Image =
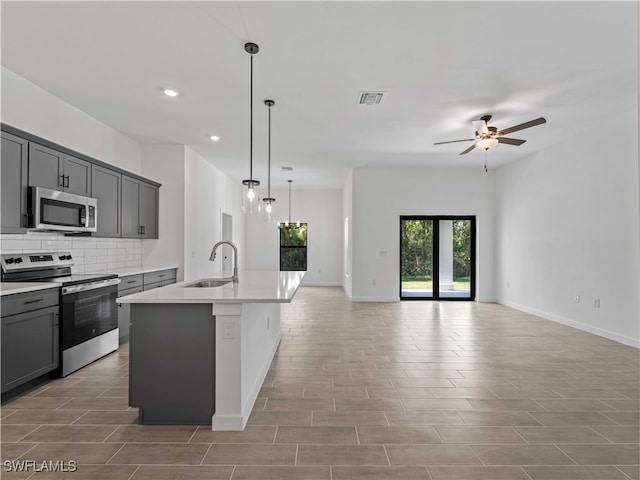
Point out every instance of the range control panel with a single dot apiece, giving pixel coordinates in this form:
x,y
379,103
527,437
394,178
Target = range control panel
x,y
15,262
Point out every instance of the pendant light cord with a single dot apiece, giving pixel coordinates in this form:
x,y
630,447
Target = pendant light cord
x,y
289,201
269,159
251,126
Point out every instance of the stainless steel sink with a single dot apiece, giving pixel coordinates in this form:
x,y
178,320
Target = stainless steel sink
x,y
209,283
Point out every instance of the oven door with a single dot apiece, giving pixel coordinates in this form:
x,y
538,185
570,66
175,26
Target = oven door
x,y
88,310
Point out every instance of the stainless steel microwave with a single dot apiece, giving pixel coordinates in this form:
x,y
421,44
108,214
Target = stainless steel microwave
x,y
56,210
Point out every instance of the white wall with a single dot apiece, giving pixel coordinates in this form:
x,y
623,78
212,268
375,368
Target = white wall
x,y
166,165
28,107
32,109
381,195
347,232
567,225
322,210
208,194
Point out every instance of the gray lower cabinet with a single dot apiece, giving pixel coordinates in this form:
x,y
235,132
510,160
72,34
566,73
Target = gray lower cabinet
x,y
124,313
14,167
139,209
106,187
59,171
135,284
29,336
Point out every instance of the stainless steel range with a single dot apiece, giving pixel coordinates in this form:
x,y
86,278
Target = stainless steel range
x,y
89,316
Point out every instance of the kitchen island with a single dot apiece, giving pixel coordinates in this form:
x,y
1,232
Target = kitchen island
x,y
200,354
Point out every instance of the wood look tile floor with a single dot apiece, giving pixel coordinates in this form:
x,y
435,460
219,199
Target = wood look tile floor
x,y
394,391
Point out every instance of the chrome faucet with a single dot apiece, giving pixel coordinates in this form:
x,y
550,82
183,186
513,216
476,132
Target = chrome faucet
x,y
235,257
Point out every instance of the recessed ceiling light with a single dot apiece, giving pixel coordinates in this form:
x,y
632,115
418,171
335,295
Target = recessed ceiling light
x,y
214,138
169,92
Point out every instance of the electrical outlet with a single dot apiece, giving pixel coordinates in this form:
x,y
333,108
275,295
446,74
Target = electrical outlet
x,y
228,331
578,298
596,303
373,282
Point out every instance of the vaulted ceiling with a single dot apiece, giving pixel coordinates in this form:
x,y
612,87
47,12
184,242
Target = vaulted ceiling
x,y
440,64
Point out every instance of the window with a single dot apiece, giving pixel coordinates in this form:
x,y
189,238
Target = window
x,y
293,247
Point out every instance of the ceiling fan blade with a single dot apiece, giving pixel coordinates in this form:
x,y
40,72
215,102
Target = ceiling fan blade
x,y
481,126
522,126
468,149
455,141
510,141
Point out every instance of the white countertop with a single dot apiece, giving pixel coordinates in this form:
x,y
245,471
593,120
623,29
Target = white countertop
x,y
10,288
124,272
253,287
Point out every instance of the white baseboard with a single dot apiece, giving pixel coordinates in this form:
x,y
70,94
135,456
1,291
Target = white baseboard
x,y
347,292
632,342
375,299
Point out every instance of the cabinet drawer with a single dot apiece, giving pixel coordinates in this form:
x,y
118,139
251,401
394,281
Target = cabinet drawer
x,y
130,291
151,286
129,282
26,302
160,276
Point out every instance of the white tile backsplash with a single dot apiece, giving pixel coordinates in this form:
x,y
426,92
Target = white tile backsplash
x,y
89,254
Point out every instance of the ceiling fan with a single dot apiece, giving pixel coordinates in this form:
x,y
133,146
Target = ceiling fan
x,y
488,137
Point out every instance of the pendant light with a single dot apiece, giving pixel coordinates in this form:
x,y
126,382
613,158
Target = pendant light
x,y
251,183
269,200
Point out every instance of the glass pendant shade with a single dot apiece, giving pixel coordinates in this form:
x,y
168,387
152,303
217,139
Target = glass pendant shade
x,y
248,200
269,200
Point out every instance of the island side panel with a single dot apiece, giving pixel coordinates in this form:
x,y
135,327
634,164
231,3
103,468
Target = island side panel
x,y
172,363
247,336
260,340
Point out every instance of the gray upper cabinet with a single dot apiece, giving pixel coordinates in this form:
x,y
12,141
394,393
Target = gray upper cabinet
x,y
149,210
58,171
46,167
13,174
106,187
77,176
131,226
139,209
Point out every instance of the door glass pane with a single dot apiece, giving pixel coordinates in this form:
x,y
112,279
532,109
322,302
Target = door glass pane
x,y
454,258
416,256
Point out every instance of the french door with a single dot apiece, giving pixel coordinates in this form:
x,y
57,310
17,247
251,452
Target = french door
x,y
437,257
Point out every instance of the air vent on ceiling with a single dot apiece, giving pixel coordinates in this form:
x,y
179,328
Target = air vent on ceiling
x,y
287,169
370,98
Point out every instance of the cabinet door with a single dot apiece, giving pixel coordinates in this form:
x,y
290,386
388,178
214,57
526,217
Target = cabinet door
x,y
45,167
106,186
131,226
29,346
149,210
124,314
13,163
77,175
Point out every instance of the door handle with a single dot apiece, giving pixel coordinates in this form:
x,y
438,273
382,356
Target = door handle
x,y
24,219
143,229
61,183
67,184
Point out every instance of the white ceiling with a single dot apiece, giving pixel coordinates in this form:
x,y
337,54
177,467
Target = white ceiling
x,y
442,64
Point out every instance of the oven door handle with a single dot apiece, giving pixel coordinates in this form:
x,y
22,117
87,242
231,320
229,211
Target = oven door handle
x,y
90,286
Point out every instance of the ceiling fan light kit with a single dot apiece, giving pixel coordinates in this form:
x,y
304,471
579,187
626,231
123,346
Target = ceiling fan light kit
x,y
489,137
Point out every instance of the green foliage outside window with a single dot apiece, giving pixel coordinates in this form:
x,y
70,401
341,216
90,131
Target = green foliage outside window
x,y
293,247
